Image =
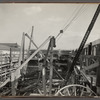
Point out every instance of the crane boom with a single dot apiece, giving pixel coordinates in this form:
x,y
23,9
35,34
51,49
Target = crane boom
x,y
71,68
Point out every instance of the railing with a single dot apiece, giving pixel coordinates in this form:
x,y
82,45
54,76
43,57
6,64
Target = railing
x,y
4,59
6,67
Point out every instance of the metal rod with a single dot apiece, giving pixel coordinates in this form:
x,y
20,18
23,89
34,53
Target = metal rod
x,y
13,90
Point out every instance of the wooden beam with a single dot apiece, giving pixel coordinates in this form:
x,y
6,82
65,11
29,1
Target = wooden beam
x,y
4,83
30,42
13,89
44,70
51,66
92,66
23,47
44,80
10,59
21,50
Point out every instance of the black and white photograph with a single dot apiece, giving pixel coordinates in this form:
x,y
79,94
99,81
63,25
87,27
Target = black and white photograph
x,y
49,50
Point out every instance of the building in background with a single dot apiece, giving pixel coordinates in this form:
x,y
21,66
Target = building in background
x,y
7,50
93,48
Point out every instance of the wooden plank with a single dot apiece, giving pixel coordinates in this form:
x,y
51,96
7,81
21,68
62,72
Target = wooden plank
x,y
13,89
4,83
1,66
23,47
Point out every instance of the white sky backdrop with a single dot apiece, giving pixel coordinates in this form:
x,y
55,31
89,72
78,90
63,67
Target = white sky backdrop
x,y
47,19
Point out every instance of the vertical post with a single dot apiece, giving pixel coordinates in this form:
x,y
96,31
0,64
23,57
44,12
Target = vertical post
x,y
81,61
28,52
10,59
13,89
98,78
30,42
43,79
23,47
90,48
87,64
51,65
20,54
91,82
44,71
94,50
21,58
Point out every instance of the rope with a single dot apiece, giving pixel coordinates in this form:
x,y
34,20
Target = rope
x,y
73,18
71,21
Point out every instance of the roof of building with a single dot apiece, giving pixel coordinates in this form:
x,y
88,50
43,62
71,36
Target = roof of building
x,y
93,43
7,46
4,47
96,42
10,44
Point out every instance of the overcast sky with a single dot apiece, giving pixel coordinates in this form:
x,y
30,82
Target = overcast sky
x,y
47,19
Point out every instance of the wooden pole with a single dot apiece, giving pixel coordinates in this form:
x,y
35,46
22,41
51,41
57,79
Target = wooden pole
x,y
30,42
13,79
21,56
10,59
44,80
13,89
23,47
51,66
44,70
13,82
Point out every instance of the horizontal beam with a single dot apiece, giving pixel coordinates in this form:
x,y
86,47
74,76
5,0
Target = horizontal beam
x,y
92,66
